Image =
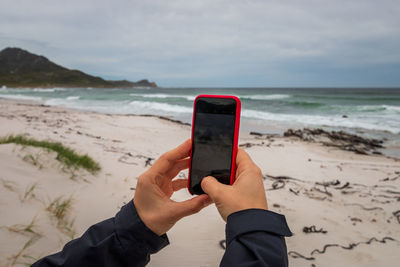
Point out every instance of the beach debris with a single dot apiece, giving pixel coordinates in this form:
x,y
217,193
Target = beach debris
x,y
248,145
86,134
267,135
323,191
346,185
361,206
148,162
296,255
279,182
353,245
355,220
397,215
165,118
314,197
350,246
256,133
392,192
313,229
279,177
278,185
125,158
397,176
294,192
339,139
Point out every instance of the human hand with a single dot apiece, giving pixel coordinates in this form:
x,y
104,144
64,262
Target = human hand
x,y
155,187
247,192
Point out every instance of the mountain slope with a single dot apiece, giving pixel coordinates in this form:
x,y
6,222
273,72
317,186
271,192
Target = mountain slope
x,y
19,68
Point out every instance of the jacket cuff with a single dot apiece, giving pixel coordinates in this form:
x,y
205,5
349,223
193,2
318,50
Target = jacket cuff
x,y
255,220
132,232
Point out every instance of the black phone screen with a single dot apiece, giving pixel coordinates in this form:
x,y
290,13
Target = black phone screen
x,y
212,144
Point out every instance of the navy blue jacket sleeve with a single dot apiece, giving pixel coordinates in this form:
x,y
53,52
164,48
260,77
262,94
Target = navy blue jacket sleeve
x,y
120,241
255,237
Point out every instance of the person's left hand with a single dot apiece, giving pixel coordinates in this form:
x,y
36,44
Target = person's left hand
x,y
155,187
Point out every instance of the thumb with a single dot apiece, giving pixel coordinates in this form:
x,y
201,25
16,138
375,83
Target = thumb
x,y
191,206
212,187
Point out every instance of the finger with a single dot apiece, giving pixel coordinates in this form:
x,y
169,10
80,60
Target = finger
x,y
212,187
180,152
179,165
179,184
191,206
243,160
166,161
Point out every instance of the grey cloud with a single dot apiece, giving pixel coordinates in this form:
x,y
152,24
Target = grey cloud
x,y
208,42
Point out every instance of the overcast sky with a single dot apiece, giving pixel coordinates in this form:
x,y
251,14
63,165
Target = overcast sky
x,y
229,43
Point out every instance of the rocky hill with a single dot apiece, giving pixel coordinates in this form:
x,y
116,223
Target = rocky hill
x,y
19,68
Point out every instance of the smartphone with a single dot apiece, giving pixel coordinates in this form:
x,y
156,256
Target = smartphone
x,y
215,134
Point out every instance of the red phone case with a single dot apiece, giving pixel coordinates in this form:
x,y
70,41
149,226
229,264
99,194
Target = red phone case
x,y
235,138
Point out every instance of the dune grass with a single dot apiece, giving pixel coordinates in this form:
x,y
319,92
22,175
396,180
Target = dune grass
x,y
10,185
29,192
27,230
65,155
14,258
59,209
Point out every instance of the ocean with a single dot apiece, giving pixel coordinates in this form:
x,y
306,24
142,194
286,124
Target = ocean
x,y
367,111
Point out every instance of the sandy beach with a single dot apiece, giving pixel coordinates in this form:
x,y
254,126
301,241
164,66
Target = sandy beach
x,y
342,207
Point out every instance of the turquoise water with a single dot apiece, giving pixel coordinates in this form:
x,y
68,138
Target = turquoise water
x,y
374,111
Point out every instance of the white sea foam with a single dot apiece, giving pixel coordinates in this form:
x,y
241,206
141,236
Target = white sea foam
x,y
92,105
44,90
377,123
392,108
187,97
156,106
381,108
265,97
22,97
74,97
120,107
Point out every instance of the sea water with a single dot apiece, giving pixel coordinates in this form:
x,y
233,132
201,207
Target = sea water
x,y
367,111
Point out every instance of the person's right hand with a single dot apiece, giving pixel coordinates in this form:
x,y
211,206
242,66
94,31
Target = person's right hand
x,y
247,192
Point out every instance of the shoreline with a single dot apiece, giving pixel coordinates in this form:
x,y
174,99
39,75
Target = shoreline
x,y
391,143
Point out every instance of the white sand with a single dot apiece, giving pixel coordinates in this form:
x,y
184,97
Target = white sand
x,y
122,144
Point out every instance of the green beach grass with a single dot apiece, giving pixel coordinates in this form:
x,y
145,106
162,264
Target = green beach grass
x,y
65,155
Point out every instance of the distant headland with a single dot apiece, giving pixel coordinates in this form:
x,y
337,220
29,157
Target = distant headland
x,y
20,68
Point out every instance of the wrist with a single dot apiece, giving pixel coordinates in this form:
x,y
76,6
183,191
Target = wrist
x,y
147,220
131,230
